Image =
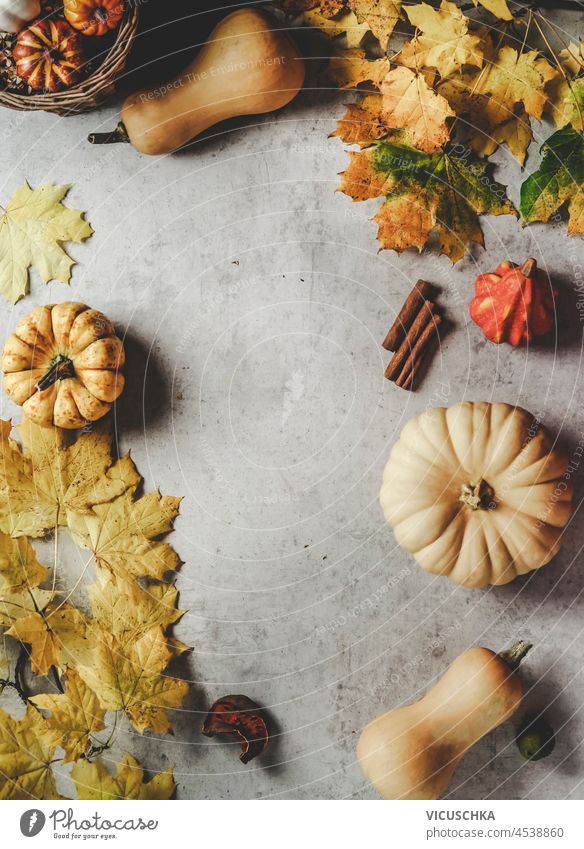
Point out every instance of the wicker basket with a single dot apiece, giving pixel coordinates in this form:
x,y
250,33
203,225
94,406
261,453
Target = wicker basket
x,y
93,90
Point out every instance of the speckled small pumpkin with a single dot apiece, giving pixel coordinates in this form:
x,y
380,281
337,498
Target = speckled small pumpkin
x,y
63,365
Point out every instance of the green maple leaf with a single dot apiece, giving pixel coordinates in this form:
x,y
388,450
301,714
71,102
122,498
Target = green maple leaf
x,y
442,192
559,180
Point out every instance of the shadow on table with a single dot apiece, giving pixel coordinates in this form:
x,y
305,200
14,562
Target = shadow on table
x,y
169,35
146,396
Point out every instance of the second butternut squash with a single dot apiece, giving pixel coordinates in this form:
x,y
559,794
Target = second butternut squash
x,y
413,751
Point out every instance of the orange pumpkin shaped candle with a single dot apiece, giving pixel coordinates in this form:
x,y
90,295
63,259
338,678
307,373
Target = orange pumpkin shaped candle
x,y
514,304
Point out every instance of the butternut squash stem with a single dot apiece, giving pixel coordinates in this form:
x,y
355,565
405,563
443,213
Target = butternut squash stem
x,y
118,135
61,369
515,653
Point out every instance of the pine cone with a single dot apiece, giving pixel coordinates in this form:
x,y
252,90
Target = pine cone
x,y
8,76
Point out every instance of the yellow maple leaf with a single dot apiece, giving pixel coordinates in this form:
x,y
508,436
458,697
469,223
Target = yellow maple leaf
x,y
48,479
19,567
381,16
350,68
572,58
516,133
566,93
19,605
125,609
408,103
475,126
514,78
56,636
93,781
347,25
33,227
27,748
499,8
74,715
404,222
361,180
445,42
130,675
566,102
444,192
123,534
362,123
4,657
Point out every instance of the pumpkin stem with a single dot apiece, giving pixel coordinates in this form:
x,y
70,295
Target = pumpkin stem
x,y
529,267
119,134
477,496
61,368
515,653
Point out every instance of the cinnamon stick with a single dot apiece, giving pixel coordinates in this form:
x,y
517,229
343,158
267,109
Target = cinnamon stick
x,y
412,305
414,361
421,321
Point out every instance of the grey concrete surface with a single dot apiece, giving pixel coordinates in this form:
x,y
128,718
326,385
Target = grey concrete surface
x,y
254,302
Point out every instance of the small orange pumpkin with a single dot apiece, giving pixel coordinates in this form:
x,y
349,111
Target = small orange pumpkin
x,y
94,17
62,365
49,55
514,304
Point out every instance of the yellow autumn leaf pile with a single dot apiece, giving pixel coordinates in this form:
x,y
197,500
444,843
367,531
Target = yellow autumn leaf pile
x,y
93,781
351,19
456,90
74,715
491,86
116,658
487,85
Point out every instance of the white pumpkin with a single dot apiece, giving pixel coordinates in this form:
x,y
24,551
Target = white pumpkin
x,y
477,492
14,14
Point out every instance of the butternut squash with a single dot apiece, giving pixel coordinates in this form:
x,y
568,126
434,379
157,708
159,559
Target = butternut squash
x,y
412,752
246,68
